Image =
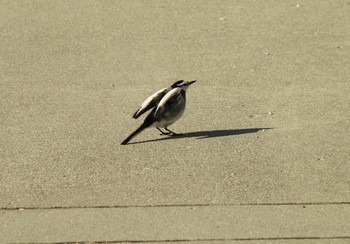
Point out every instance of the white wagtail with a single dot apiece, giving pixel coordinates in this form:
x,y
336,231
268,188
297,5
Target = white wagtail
x,y
168,106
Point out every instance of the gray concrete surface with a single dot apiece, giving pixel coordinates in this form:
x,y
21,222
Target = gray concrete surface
x,y
230,223
266,126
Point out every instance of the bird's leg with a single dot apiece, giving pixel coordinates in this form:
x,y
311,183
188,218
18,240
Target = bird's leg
x,y
172,132
163,133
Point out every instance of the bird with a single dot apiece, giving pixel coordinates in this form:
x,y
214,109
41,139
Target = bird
x,y
167,104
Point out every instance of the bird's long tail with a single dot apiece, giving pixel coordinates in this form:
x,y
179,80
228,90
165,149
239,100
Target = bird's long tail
x,y
135,133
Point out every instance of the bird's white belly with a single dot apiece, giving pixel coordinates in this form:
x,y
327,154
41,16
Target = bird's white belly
x,y
166,122
170,117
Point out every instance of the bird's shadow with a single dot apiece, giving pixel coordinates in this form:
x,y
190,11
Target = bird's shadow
x,y
206,134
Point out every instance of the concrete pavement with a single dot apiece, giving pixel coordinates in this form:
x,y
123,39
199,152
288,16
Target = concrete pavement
x,y
180,223
264,154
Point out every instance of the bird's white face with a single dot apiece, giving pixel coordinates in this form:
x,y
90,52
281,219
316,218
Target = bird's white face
x,y
185,84
184,87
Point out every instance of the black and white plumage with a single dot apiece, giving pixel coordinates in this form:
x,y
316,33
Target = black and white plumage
x,y
167,105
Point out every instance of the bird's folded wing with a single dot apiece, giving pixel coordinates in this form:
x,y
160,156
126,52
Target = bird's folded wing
x,y
166,98
150,102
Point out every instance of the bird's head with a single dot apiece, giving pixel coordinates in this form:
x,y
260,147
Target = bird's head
x,y
182,84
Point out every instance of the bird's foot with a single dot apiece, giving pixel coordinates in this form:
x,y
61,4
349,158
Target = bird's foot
x,y
163,133
172,133
175,134
169,133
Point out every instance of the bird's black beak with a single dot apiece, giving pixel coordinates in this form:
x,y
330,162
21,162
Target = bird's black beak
x,y
191,82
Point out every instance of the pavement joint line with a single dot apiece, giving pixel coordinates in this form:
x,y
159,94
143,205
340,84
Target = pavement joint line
x,y
205,240
174,205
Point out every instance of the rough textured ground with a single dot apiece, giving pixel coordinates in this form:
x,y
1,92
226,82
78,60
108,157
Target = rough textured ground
x,y
265,150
